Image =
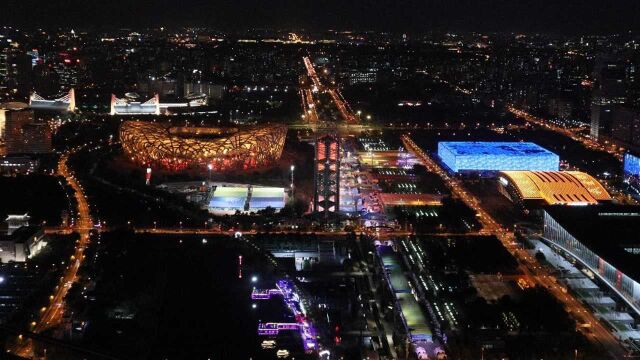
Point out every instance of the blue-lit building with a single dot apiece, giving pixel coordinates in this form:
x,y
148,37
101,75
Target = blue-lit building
x,y
632,174
463,156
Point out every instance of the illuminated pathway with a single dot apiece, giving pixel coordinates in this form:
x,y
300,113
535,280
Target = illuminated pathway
x,y
311,71
286,289
51,315
528,265
308,104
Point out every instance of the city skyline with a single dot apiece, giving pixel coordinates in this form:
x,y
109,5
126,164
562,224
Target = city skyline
x,y
319,180
547,16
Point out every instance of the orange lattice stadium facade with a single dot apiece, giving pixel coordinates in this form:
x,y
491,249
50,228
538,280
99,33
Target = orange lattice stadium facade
x,y
176,148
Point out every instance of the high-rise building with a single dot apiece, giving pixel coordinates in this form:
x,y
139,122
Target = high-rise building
x,y
560,108
625,125
22,134
326,198
15,70
601,118
368,76
609,92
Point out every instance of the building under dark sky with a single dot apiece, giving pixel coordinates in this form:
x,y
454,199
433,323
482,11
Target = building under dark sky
x,y
566,16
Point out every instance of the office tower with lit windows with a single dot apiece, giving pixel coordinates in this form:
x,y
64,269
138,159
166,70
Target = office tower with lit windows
x,y
609,92
22,134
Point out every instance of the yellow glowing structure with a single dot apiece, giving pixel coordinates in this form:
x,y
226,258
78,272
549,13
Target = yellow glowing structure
x,y
554,187
389,199
175,148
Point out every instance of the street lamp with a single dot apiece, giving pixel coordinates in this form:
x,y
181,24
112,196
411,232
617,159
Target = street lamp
x,y
293,167
210,167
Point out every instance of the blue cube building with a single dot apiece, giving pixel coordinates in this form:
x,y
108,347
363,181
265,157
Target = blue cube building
x,y
632,174
463,156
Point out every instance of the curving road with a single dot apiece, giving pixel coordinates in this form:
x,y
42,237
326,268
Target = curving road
x,y
51,315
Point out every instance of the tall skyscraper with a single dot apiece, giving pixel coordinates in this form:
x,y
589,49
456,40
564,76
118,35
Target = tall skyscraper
x,y
22,134
326,198
609,92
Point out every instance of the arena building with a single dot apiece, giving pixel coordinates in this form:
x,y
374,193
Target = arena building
x,y
465,156
131,105
66,103
604,239
176,148
539,188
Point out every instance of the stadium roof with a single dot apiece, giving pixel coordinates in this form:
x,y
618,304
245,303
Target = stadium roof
x,y
556,187
461,148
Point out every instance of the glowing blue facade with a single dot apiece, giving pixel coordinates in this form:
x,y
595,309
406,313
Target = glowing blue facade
x,y
632,174
496,156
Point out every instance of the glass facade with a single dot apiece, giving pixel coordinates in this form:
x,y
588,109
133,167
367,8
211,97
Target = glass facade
x,y
614,278
496,156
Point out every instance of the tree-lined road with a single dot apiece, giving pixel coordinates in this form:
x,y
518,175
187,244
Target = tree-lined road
x,y
51,315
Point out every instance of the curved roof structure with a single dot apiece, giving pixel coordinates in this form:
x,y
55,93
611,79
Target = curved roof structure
x,y
130,106
222,148
556,187
63,103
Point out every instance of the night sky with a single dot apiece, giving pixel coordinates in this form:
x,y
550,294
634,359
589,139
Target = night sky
x,y
554,16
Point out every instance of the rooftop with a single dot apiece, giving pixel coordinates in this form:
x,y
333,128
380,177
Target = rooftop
x,y
495,148
605,230
556,187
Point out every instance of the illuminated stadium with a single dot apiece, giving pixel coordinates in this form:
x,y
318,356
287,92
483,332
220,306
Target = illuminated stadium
x,y
496,156
551,188
131,105
175,148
